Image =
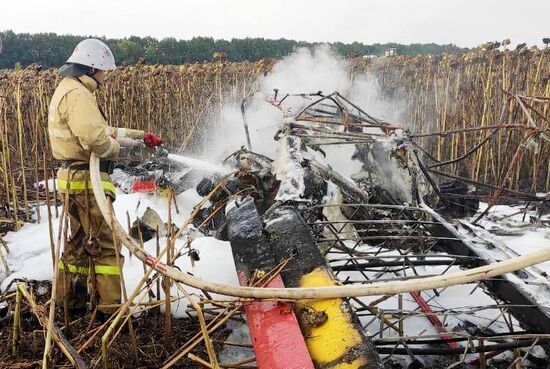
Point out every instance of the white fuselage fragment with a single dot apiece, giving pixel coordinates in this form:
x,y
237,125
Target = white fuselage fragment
x,y
289,170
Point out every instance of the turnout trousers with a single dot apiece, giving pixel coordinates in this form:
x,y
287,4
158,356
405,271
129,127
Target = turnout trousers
x,y
88,269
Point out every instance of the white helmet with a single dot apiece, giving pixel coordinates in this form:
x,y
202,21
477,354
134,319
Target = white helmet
x,y
93,53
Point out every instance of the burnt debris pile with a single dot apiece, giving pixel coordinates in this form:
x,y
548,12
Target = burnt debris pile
x,y
391,219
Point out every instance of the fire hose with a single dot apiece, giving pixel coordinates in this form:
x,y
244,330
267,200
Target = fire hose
x,y
376,288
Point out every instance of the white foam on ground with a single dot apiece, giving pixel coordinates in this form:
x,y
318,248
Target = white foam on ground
x,y
30,256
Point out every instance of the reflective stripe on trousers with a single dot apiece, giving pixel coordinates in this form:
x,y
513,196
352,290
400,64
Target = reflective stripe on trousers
x,y
99,269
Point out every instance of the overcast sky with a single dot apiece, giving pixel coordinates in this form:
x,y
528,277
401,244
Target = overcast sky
x,y
464,23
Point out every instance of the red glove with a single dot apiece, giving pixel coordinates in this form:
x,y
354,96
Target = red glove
x,y
152,140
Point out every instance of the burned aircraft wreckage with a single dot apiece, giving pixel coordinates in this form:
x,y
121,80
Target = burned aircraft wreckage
x,y
294,221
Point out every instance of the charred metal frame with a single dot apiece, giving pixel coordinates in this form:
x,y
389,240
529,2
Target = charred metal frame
x,y
420,235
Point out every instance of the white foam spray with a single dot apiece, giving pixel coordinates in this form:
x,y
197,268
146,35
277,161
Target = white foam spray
x,y
203,165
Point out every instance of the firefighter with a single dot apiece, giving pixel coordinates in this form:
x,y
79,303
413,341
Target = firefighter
x,y
77,127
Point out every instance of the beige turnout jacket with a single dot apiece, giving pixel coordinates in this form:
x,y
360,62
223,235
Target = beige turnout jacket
x,y
77,127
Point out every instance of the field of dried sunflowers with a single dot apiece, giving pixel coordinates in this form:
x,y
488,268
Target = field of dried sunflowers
x,y
488,104
465,95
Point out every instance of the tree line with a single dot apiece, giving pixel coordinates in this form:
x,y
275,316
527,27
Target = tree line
x,y
51,50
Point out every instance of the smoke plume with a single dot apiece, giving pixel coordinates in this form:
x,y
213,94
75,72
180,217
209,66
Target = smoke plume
x,y
304,71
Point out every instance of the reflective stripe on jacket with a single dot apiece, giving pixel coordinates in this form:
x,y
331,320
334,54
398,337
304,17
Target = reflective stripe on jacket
x,y
81,182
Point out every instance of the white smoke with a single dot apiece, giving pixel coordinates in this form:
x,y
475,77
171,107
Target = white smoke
x,y
309,70
304,71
